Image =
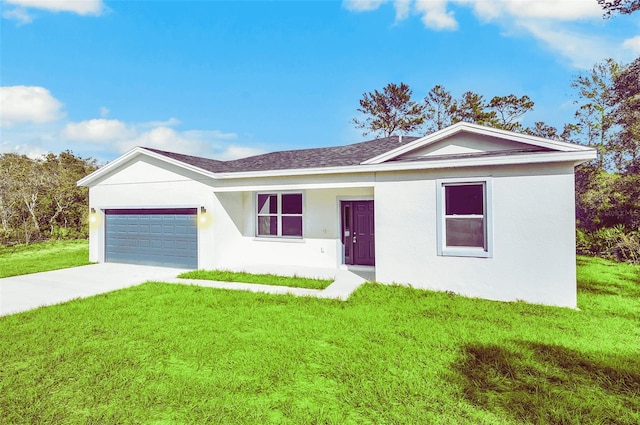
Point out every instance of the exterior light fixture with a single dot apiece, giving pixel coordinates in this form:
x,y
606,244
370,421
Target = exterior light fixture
x,y
93,210
202,210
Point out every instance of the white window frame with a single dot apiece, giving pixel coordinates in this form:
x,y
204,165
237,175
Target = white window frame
x,y
462,251
278,214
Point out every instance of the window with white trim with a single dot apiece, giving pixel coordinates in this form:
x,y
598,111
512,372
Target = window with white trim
x,y
464,218
279,215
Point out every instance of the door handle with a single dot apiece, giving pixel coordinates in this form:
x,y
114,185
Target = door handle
x,y
355,239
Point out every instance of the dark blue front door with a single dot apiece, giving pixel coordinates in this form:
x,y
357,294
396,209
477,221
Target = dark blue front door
x,y
358,232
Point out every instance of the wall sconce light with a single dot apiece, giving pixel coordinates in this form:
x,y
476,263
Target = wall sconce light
x,y
93,210
202,210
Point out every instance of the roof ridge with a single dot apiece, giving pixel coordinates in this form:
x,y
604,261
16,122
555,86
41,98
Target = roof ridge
x,y
328,156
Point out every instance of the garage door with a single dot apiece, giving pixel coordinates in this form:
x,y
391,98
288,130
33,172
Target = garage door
x,y
157,237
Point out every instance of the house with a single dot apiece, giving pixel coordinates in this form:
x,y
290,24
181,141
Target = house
x,y
469,209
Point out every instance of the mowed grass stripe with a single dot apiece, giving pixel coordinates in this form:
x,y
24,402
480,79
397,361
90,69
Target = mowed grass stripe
x,y
264,279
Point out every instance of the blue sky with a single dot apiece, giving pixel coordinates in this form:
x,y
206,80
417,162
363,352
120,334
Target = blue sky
x,y
231,79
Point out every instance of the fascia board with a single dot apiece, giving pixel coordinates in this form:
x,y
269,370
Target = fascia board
x,y
480,130
123,159
576,157
132,154
253,187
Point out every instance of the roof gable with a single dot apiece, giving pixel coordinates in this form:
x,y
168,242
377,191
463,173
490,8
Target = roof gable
x,y
467,144
465,139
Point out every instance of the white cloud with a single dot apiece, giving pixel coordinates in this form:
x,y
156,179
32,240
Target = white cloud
x,y
32,150
21,104
21,9
362,5
235,152
114,135
435,14
580,48
209,135
81,7
558,10
553,22
193,142
19,14
633,45
171,122
97,130
403,8
207,143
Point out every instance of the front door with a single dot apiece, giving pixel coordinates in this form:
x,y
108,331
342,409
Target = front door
x,y
358,232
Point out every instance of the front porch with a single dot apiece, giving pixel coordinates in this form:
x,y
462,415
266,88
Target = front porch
x,y
318,230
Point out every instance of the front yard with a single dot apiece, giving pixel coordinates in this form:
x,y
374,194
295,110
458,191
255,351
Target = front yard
x,y
41,257
166,353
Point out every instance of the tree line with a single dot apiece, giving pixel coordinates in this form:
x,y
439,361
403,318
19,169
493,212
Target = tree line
x,y
607,118
39,198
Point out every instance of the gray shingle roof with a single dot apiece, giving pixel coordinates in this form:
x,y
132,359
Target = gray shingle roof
x,y
296,159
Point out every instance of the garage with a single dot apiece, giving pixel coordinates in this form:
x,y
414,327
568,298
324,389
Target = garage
x,y
158,237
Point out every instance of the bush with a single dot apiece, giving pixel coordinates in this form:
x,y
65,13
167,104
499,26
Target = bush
x,y
615,243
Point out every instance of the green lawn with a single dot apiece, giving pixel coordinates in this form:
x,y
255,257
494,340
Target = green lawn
x,y
265,279
171,354
41,257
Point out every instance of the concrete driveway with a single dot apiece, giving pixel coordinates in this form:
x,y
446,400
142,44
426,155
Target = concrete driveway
x,y
22,293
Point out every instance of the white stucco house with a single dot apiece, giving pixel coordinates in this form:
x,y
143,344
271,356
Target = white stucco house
x,y
470,209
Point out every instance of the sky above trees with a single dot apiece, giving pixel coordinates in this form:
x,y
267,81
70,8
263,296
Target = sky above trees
x,y
230,79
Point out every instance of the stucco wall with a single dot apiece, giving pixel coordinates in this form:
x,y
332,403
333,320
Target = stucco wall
x,y
147,183
234,220
533,236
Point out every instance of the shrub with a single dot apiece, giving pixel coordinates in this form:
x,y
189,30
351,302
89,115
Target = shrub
x,y
616,243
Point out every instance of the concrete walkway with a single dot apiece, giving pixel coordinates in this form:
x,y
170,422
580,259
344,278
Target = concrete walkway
x,y
26,292
345,283
22,293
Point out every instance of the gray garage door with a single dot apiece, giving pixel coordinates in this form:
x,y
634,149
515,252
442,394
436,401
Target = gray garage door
x,y
157,237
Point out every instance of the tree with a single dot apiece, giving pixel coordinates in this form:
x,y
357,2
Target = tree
x,y
619,6
595,111
10,203
541,129
439,106
65,197
39,197
504,112
509,109
389,111
472,108
625,98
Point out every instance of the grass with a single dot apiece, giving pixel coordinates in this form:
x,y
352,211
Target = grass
x,y
44,256
265,279
165,353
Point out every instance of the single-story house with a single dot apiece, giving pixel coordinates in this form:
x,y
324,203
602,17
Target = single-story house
x,y
469,209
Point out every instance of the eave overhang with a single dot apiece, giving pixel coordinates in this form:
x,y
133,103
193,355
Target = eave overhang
x,y
464,127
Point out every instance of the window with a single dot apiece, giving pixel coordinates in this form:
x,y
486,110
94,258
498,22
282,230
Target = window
x,y
464,218
280,215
